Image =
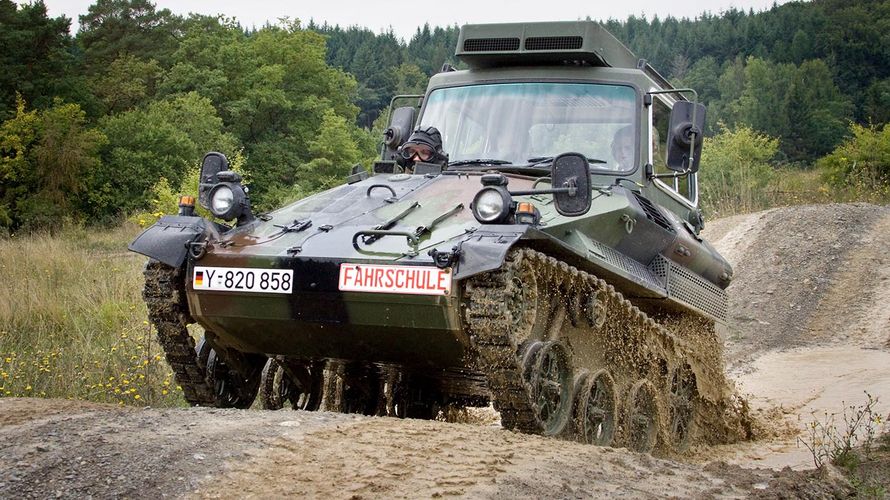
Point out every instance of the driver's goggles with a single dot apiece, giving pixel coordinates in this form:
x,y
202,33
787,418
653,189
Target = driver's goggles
x,y
423,153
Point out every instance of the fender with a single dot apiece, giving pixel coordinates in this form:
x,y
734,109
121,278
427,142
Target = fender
x,y
486,248
167,240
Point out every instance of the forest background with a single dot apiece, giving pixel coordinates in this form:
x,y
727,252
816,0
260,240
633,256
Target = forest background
x,y
110,122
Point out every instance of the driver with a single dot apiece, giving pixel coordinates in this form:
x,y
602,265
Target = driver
x,y
424,145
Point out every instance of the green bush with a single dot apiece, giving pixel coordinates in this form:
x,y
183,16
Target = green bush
x,y
736,173
862,163
145,144
46,157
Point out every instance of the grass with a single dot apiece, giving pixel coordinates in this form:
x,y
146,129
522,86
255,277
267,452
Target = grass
x,y
788,186
72,320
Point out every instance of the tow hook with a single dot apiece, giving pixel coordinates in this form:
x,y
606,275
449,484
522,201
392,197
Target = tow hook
x,y
197,249
444,259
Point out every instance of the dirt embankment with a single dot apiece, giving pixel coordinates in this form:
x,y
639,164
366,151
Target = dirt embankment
x,y
809,330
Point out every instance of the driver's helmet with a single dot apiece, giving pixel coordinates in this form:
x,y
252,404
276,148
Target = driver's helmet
x,y
424,145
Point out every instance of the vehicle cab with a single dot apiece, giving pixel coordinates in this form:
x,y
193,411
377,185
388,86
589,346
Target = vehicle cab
x,y
534,91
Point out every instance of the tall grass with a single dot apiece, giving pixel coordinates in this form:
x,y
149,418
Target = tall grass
x,y
72,320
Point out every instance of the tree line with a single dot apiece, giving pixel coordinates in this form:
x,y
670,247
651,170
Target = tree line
x,y
90,123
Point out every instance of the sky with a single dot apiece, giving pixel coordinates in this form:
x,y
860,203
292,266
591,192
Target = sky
x,y
406,16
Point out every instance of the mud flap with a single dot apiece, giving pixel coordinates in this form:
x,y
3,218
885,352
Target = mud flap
x,y
486,249
168,239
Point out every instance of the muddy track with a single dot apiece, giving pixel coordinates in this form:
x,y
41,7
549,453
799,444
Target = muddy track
x,y
164,295
535,299
52,448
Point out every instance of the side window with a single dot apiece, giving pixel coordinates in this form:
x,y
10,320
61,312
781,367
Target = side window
x,y
661,117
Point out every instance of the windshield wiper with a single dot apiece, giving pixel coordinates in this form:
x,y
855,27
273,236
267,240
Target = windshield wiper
x,y
478,161
540,160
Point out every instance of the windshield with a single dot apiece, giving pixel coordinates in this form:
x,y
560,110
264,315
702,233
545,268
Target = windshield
x,y
529,123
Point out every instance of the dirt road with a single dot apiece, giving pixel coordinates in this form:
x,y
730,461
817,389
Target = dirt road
x,y
809,332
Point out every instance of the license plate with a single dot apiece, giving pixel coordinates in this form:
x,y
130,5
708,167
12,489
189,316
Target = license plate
x,y
414,280
240,279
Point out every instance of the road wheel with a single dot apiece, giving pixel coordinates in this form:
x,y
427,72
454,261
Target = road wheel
x,y
683,397
641,422
548,374
595,408
229,388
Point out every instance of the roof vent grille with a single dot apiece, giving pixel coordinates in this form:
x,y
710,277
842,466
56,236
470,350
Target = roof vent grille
x,y
553,43
490,44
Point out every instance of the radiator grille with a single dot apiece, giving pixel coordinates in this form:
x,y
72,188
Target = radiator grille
x,y
653,212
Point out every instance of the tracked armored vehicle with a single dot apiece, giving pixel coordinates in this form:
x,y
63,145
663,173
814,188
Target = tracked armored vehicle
x,y
551,266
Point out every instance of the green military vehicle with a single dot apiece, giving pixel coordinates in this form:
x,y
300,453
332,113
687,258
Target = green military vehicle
x,y
551,265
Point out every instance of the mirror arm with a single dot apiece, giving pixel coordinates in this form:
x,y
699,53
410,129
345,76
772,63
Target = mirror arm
x,y
677,91
392,101
650,171
571,190
570,187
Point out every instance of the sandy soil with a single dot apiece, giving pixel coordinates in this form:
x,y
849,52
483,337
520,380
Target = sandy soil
x,y
809,332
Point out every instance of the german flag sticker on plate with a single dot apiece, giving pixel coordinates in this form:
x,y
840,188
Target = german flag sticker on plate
x,y
414,280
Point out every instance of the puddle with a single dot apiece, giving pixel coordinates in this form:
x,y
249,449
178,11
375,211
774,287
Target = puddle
x,y
806,383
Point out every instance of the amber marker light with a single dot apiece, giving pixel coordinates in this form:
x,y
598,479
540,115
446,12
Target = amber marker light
x,y
526,213
525,207
187,205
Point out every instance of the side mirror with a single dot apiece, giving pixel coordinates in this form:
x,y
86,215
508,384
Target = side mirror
x,y
571,171
212,164
400,126
687,125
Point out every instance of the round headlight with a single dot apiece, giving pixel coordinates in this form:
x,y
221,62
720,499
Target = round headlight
x,y
221,200
491,204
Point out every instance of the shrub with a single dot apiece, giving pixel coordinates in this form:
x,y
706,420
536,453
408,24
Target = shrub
x,y
862,163
736,174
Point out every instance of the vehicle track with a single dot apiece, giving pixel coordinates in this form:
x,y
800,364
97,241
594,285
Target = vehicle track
x,y
164,295
528,301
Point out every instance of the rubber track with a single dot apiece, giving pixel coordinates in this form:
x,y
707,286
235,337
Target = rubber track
x,y
491,325
164,294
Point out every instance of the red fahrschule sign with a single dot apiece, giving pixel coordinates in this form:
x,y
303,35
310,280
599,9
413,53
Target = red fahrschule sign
x,y
415,280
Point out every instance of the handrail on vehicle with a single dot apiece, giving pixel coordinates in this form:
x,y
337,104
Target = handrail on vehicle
x,y
412,238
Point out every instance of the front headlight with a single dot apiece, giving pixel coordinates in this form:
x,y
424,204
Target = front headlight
x,y
221,200
492,204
